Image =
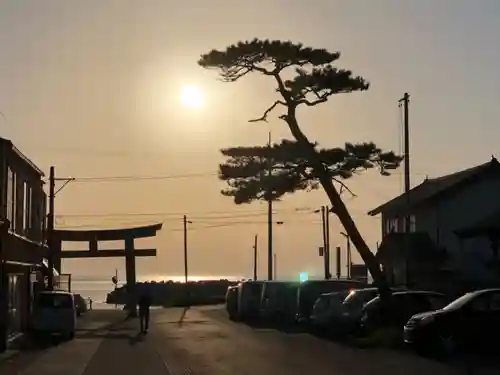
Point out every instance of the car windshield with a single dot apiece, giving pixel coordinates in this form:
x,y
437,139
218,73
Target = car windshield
x,y
322,301
360,297
55,301
253,290
460,302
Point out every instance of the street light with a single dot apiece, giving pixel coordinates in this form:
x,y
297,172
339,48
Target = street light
x,y
348,247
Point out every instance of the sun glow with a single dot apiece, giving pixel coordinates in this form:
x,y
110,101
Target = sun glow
x,y
192,97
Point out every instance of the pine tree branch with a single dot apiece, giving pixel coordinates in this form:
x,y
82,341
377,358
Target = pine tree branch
x,y
344,186
269,110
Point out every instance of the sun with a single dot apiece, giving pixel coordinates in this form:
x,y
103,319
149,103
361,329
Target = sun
x,y
192,97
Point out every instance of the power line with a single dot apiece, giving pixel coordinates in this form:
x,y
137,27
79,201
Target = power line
x,y
90,179
227,214
196,225
140,178
163,218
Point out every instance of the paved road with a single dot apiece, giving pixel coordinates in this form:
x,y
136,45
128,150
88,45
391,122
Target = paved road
x,y
202,341
207,343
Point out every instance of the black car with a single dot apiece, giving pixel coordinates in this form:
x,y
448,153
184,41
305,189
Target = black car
x,y
401,307
471,322
309,291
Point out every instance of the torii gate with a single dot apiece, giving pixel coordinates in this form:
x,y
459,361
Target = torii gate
x,y
92,237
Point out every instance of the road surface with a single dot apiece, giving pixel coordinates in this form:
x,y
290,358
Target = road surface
x,y
206,342
203,341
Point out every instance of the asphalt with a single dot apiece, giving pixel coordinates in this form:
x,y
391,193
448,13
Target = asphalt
x,y
203,341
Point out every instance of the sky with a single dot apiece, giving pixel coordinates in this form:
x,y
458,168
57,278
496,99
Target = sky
x,y
92,88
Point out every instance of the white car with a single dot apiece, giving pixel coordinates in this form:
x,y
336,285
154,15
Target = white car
x,y
54,313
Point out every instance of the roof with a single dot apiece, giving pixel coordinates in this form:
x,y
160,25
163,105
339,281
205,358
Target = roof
x,y
22,156
432,187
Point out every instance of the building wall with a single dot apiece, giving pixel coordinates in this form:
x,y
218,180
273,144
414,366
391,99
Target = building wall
x,y
23,198
22,202
462,208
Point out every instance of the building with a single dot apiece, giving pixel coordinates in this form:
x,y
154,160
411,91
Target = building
x,y
23,205
458,215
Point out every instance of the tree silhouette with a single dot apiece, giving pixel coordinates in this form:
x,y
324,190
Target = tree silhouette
x,y
314,82
270,172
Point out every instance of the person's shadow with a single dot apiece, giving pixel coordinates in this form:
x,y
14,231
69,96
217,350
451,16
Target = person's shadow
x,y
134,340
183,315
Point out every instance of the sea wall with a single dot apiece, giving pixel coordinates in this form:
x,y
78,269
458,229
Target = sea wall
x,y
171,293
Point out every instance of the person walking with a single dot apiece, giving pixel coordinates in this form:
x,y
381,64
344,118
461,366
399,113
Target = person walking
x,y
144,307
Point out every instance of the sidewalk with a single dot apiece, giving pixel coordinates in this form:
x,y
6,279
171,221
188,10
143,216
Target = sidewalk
x,y
90,331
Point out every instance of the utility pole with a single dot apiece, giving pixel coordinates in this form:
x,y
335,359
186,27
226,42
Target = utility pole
x,y
405,101
50,226
50,221
255,258
275,267
269,217
185,223
338,261
348,248
327,247
325,256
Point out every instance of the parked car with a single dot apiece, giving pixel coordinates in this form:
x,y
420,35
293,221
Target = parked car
x,y
249,299
232,302
325,308
344,318
471,322
80,304
54,313
309,291
401,307
277,299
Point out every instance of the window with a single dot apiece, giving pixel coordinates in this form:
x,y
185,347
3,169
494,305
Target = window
x,y
54,301
495,302
479,304
437,302
413,224
10,195
13,225
25,207
27,212
392,225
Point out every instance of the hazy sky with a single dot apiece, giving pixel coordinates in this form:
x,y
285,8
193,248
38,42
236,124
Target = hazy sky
x,y
92,86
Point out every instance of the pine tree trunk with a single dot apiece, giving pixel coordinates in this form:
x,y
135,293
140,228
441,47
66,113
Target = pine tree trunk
x,y
339,207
